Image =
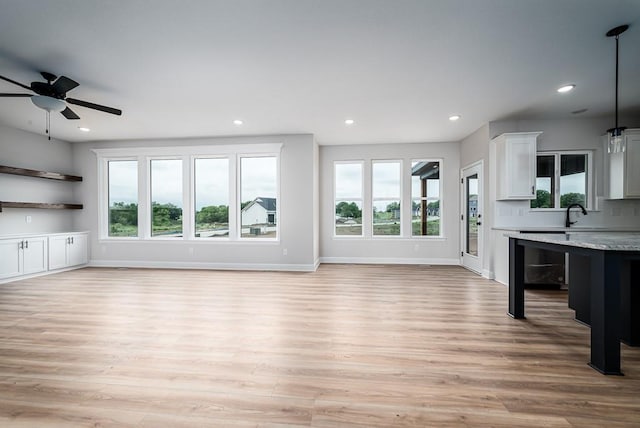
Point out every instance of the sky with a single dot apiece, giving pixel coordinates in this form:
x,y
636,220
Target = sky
x,y
258,178
386,183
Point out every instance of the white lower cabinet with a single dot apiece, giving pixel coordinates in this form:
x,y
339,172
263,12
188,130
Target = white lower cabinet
x,y
67,250
20,256
23,256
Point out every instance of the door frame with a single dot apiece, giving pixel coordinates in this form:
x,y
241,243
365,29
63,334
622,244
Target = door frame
x,y
468,261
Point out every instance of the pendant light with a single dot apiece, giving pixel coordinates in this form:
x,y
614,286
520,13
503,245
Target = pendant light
x,y
615,136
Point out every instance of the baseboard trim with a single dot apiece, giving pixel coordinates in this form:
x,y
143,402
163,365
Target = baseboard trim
x,y
390,261
201,265
36,275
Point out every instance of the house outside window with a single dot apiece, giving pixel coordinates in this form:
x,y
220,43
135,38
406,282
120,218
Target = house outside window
x,y
258,196
189,192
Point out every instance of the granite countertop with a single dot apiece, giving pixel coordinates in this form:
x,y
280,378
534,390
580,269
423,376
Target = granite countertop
x,y
616,241
574,229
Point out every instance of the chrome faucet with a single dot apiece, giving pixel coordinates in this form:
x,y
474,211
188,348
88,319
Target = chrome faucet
x,y
567,222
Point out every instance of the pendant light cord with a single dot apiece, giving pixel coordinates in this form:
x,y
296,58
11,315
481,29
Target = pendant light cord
x,y
617,37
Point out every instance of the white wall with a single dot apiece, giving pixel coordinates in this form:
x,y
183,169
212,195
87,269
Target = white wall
x,y
392,250
296,215
32,151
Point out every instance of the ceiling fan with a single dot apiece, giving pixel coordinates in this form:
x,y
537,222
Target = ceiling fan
x,y
52,96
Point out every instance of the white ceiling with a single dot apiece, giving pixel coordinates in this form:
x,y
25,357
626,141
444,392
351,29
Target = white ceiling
x,y
399,68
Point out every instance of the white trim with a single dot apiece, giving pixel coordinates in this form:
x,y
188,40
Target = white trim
x,y
391,261
187,154
203,265
43,273
440,198
211,149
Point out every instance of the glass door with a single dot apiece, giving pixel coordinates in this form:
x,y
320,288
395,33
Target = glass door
x,y
471,217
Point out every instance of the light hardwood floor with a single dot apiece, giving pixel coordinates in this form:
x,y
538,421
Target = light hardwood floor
x,y
363,346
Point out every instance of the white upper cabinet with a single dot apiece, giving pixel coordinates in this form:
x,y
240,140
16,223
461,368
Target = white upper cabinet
x,y
516,165
624,168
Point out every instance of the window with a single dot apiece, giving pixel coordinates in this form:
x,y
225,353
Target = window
x,y
166,197
211,197
123,198
425,198
385,189
258,197
348,198
562,178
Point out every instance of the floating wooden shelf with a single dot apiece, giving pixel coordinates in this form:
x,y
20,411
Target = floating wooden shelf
x,y
39,205
38,174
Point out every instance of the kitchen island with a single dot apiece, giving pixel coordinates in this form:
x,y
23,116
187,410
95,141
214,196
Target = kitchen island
x,y
612,288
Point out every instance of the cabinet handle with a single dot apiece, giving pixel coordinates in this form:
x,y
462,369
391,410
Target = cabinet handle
x,y
533,190
21,245
26,244
72,239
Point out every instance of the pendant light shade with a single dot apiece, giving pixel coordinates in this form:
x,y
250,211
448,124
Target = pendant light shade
x,y
615,136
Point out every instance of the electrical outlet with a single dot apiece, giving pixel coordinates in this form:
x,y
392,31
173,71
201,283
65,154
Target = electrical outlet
x,y
27,219
284,251
416,247
191,251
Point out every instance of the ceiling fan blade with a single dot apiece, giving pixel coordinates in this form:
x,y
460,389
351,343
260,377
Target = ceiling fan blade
x,y
94,106
64,84
69,114
15,95
15,83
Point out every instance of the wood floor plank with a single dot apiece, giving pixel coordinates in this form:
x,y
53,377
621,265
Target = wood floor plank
x,y
362,346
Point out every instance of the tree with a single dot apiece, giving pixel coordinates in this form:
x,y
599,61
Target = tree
x,y
348,210
213,214
572,198
393,206
542,200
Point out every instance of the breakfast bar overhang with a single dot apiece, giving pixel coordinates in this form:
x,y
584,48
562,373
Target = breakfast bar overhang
x,y
612,287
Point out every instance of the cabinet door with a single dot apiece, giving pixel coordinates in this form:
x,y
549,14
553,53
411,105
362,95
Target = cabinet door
x,y
10,258
521,156
34,257
632,171
57,252
77,250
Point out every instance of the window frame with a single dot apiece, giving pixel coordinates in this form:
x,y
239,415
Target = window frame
x,y
590,201
103,214
361,199
231,193
440,234
149,196
144,155
238,197
373,198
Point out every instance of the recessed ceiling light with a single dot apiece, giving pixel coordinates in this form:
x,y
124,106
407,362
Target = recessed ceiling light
x,y
349,122
454,117
238,122
566,88
83,129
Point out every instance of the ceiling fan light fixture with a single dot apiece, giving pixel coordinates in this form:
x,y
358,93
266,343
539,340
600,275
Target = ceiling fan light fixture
x,y
615,136
454,117
49,103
